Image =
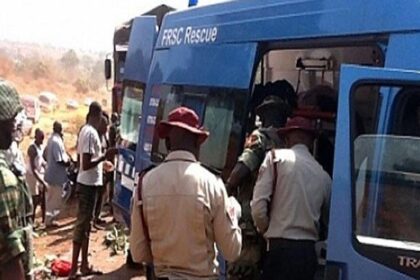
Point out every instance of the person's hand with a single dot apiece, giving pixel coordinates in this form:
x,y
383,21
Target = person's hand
x,y
108,166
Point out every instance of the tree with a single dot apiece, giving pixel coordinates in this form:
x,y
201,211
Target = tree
x,y
70,59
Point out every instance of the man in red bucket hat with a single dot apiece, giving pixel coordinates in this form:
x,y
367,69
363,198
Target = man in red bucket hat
x,y
290,204
181,210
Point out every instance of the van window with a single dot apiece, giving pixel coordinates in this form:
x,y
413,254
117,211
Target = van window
x,y
387,175
131,113
222,112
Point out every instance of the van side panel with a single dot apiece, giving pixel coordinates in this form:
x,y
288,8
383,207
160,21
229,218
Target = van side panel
x,y
229,65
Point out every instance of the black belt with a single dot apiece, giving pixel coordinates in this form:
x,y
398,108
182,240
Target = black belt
x,y
289,243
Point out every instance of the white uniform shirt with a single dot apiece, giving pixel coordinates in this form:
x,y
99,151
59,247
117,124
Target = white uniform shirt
x,y
302,194
89,142
186,210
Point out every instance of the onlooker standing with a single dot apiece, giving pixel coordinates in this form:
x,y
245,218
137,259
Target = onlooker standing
x,y
35,172
14,155
114,130
55,174
90,177
290,204
113,138
15,200
181,210
103,129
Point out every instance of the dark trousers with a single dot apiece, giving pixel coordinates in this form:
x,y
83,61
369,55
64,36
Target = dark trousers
x,y
87,199
290,260
99,198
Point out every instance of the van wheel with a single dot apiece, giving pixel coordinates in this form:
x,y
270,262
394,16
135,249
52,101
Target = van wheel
x,y
129,261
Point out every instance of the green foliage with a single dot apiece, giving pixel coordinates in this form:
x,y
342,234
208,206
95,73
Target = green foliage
x,y
41,268
116,240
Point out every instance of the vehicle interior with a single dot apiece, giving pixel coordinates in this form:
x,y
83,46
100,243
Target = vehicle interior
x,y
228,113
315,73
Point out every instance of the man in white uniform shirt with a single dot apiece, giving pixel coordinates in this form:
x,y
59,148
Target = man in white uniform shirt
x,y
92,162
290,204
186,210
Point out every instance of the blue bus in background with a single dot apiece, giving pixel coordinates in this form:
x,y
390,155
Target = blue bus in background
x,y
212,58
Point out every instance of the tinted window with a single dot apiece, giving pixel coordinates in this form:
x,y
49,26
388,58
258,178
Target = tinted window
x,y
222,112
131,113
387,176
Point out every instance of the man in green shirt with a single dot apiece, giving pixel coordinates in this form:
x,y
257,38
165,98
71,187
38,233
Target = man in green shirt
x,y
15,201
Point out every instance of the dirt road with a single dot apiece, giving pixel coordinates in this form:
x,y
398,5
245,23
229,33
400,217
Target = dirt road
x,y
57,243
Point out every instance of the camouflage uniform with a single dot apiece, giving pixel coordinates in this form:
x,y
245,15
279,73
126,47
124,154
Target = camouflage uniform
x,y
253,245
15,200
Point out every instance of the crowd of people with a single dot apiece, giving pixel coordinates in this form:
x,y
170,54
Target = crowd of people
x,y
264,221
44,183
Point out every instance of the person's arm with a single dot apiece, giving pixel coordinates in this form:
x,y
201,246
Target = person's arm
x,y
11,264
88,162
225,226
32,155
59,154
89,146
249,161
139,245
262,195
239,173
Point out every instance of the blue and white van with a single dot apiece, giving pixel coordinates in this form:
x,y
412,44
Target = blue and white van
x,y
211,59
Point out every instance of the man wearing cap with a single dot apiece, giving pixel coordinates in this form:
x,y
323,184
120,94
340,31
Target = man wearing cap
x,y
181,210
290,204
15,200
273,112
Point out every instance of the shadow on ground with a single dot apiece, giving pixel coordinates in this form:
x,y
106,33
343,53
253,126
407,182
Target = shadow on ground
x,y
121,273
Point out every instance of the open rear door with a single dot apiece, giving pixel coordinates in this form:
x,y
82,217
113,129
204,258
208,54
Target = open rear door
x,y
140,48
374,216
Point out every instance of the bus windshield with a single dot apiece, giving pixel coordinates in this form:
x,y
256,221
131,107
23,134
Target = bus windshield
x,y
131,113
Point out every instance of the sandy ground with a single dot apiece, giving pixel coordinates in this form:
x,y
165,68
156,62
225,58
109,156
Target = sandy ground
x,y
58,242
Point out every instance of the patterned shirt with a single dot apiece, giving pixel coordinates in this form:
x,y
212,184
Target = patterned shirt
x,y
14,204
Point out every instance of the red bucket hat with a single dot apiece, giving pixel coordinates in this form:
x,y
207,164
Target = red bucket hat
x,y
185,118
298,123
